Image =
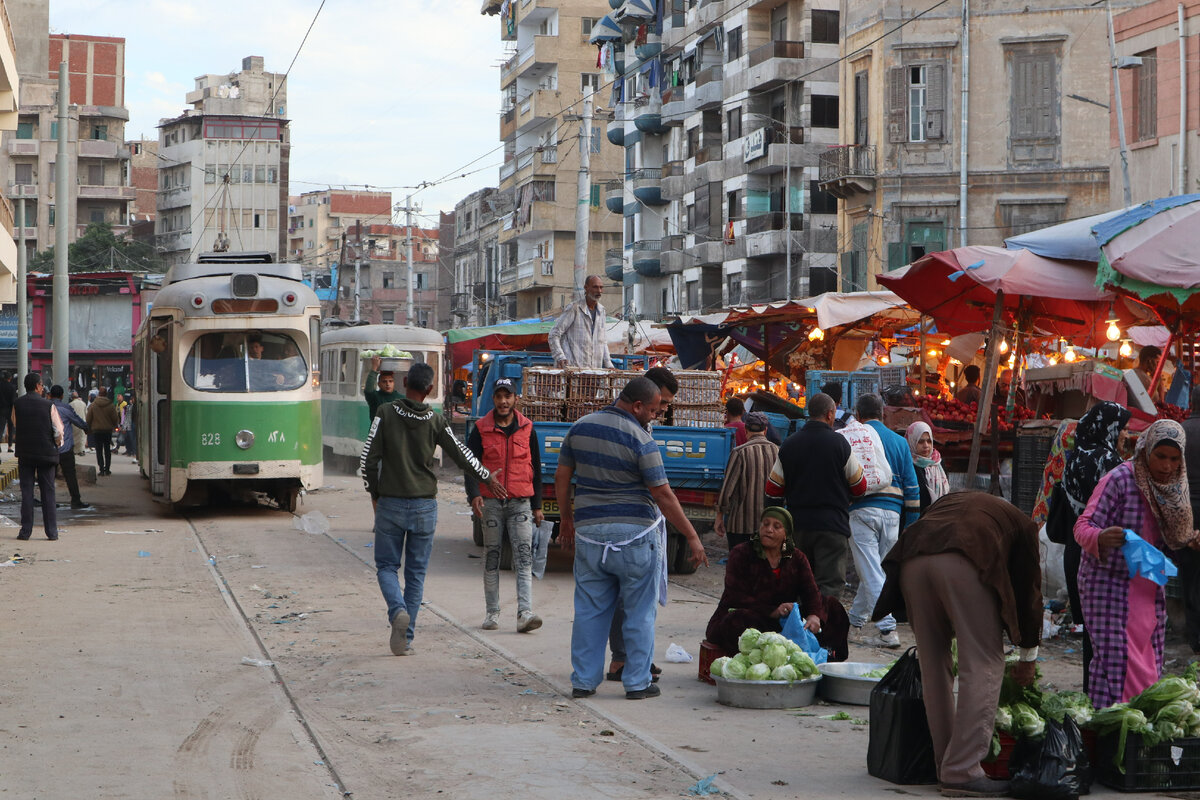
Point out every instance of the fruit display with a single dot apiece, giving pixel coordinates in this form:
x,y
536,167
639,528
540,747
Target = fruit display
x,y
955,414
1168,411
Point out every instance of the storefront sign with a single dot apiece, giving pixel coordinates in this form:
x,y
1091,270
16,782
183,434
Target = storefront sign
x,y
755,145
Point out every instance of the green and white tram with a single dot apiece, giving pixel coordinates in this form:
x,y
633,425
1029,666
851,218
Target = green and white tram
x,y
344,419
227,382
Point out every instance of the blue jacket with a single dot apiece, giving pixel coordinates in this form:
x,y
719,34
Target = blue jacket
x,y
69,420
904,495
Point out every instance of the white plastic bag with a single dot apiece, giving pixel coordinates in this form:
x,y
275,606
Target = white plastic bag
x,y
677,655
541,544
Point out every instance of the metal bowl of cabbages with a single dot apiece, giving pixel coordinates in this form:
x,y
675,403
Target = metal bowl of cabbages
x,y
766,694
850,682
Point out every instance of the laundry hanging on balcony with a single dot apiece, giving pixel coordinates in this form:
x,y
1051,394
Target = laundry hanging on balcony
x,y
652,69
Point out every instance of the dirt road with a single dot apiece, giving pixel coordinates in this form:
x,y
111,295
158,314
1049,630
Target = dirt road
x,y
226,654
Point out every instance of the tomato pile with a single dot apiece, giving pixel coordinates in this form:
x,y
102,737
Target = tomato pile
x,y
1168,411
957,412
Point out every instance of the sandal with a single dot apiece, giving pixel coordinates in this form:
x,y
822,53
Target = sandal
x,y
615,675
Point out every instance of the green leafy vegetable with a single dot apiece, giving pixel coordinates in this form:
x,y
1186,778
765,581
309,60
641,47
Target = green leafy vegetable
x,y
758,672
785,672
735,668
775,655
1026,723
748,640
717,667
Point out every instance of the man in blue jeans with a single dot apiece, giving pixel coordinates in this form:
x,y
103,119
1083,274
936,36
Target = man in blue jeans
x,y
613,522
397,465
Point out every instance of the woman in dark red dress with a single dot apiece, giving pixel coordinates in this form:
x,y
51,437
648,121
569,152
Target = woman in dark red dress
x,y
763,579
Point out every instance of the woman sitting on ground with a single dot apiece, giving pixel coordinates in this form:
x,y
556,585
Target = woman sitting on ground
x,y
764,578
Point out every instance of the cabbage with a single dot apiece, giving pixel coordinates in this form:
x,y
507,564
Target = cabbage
x,y
1004,719
1076,705
748,640
775,655
770,637
1026,723
804,664
754,656
1163,692
717,667
758,672
735,669
785,673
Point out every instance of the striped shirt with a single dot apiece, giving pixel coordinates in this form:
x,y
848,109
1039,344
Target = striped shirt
x,y
741,498
616,463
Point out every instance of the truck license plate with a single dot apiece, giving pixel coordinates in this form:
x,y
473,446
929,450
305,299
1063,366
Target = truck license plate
x,y
549,506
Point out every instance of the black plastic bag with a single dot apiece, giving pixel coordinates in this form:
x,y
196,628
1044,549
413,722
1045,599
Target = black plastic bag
x,y
1056,767
900,749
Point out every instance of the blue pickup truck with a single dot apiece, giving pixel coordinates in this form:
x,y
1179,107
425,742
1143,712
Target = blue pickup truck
x,y
694,458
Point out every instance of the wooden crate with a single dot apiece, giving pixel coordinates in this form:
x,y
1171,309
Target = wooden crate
x,y
542,410
544,383
590,385
698,387
706,415
575,409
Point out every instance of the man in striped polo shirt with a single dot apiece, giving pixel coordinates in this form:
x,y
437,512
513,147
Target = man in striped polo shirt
x,y
613,522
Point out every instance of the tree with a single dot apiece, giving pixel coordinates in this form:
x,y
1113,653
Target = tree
x,y
100,249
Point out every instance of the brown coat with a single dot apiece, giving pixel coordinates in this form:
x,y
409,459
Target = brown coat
x,y
102,415
997,538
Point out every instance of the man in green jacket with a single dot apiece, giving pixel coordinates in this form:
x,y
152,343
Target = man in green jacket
x,y
397,465
380,388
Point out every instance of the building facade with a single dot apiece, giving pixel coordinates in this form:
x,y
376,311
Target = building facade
x,y
318,223
478,219
1019,145
723,108
1157,99
10,94
98,187
372,276
223,167
549,68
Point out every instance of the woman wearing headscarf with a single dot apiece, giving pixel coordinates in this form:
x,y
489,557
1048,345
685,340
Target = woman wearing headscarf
x,y
928,463
764,578
1126,617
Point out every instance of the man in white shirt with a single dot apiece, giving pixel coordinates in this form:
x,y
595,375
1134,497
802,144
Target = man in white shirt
x,y
578,338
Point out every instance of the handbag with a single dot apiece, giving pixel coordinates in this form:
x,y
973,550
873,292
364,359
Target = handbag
x,y
900,748
1060,517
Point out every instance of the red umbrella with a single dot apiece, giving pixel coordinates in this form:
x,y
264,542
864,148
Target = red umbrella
x,y
958,288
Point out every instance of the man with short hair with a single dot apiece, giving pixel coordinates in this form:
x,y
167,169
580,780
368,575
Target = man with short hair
x,y
614,522
875,522
66,450
506,443
841,418
579,338
971,392
39,434
816,473
102,420
397,467
735,409
740,503
380,387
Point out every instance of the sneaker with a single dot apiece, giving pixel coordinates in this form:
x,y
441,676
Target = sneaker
x,y
578,693
80,505
887,639
528,622
399,638
980,787
492,621
641,694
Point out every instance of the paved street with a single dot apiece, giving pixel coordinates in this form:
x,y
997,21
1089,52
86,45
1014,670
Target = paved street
x,y
124,652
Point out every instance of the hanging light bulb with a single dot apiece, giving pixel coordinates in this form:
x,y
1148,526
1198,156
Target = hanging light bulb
x,y
816,335
933,352
1053,359
945,342
1126,350
1069,356
883,359
1012,360
1113,333
1003,346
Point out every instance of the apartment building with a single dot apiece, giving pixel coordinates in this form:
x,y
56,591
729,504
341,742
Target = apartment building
x,y
549,67
372,278
10,92
918,170
723,108
320,222
223,167
98,187
1157,88
478,219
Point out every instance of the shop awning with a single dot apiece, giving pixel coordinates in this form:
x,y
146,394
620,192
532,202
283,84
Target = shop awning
x,y
636,9
606,30
1072,240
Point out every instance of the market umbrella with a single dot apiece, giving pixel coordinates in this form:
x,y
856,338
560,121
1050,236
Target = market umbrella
x,y
959,288
1071,240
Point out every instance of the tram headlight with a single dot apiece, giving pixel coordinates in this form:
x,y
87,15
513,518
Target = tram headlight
x,y
244,439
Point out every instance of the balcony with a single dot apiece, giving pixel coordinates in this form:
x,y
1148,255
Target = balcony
x,y
774,153
535,162
19,190
508,123
707,14
672,258
647,186
648,46
704,253
616,131
31,234
646,261
537,107
777,63
100,148
675,105
708,87
615,4
123,193
648,115
614,196
614,263
776,50
24,147
118,230
544,217
766,234
673,183
848,169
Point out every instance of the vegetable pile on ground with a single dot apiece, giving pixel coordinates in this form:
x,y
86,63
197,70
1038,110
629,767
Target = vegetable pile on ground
x,y
765,657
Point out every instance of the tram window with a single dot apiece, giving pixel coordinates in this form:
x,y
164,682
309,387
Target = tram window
x,y
241,362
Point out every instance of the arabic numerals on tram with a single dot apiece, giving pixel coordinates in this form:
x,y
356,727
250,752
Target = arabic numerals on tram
x,y
210,439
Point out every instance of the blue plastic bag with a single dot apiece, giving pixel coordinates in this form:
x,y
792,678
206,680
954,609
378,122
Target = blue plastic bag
x,y
1146,560
793,628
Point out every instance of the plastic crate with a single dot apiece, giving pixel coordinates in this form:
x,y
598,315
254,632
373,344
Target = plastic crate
x,y
814,379
892,376
1030,453
1171,766
865,382
709,653
997,768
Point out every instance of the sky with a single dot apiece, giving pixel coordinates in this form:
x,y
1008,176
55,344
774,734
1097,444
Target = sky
x,y
386,93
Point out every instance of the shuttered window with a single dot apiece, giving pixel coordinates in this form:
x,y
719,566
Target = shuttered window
x,y
1145,96
1034,101
917,102
862,105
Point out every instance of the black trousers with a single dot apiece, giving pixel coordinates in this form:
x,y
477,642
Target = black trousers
x,y
66,465
103,449
1188,561
43,474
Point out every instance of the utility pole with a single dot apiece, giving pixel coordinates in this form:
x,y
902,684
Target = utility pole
x,y
964,125
1116,78
583,197
408,209
787,210
357,268
62,226
22,302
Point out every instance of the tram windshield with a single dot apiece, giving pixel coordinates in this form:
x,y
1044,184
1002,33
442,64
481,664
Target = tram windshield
x,y
245,361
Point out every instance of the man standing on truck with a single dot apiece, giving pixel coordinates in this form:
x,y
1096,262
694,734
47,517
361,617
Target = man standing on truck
x,y
505,441
621,485
397,467
578,338
386,391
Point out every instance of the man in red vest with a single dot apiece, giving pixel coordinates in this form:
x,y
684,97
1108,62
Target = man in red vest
x,y
504,440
